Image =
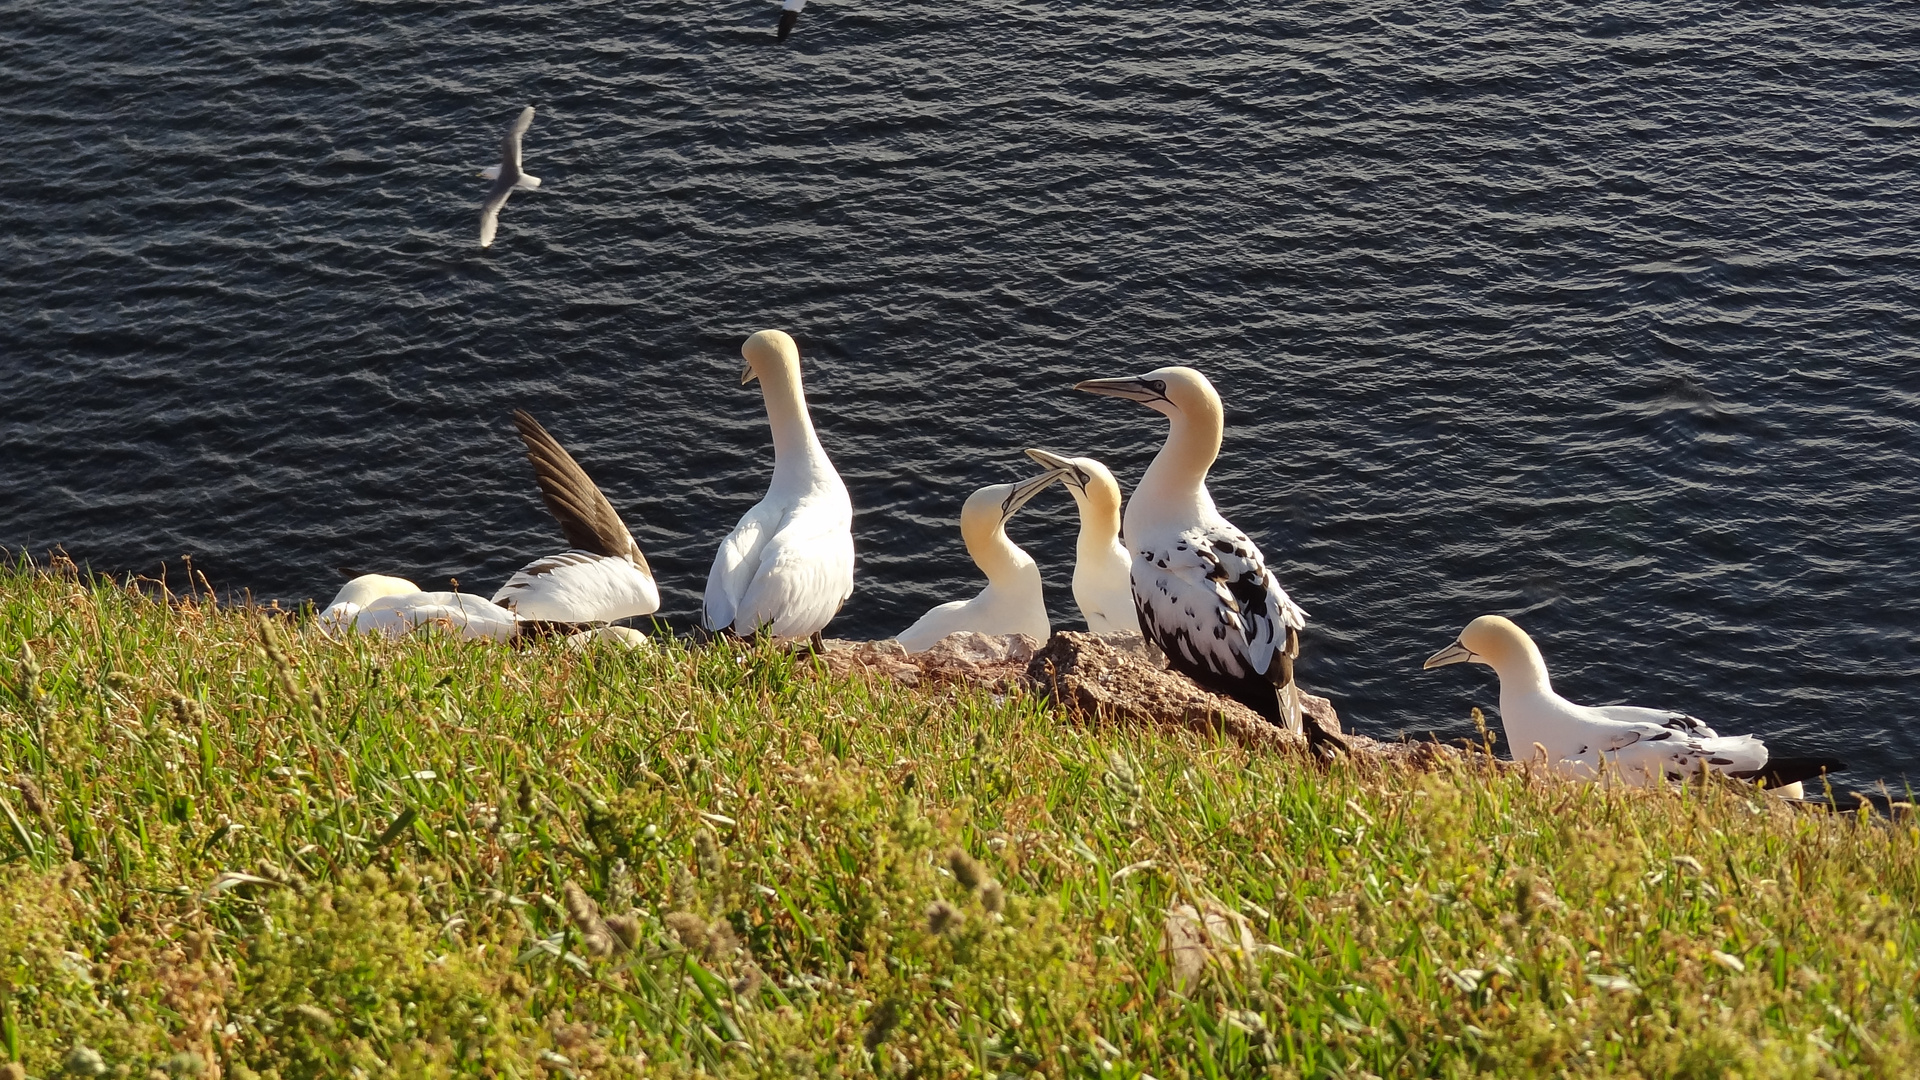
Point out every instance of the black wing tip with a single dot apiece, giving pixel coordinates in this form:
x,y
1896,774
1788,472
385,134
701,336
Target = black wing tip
x,y
1779,772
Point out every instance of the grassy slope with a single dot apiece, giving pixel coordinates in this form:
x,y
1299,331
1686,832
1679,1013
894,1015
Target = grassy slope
x,y
410,817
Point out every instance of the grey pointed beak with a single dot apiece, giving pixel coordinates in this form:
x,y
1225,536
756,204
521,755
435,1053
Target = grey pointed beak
x,y
1132,388
747,373
1070,474
1024,491
1455,653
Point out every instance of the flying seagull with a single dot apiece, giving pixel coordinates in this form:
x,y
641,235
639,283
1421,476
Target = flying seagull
x,y
506,176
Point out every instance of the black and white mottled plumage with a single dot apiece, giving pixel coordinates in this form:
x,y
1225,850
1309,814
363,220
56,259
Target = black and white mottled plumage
x,y
1201,588
602,576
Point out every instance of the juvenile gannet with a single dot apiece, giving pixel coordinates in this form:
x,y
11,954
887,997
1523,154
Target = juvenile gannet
x,y
1645,745
1102,569
788,565
506,176
357,594
1201,590
602,576
1012,602
463,613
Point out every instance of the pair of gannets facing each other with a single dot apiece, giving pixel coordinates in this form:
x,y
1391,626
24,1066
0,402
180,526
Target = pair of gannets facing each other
x,y
507,177
787,567
1201,590
1645,746
601,577
1012,602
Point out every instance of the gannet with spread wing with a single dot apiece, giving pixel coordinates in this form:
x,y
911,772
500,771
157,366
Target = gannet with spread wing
x,y
1102,569
602,576
1646,746
1012,602
788,565
1201,589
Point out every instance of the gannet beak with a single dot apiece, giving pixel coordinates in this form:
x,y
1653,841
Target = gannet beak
x,y
747,374
1070,474
1024,491
1455,653
1132,388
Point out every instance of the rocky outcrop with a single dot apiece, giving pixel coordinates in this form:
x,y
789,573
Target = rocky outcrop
x,y
1098,679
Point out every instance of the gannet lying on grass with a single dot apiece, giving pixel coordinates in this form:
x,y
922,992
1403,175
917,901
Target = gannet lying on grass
x,y
357,594
1012,602
788,565
1102,569
1201,589
1646,746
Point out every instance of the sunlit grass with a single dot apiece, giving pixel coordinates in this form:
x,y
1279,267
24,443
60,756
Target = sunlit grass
x,y
263,852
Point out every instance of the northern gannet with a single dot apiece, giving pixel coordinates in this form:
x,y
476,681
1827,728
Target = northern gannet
x,y
1012,602
1102,569
602,576
788,565
1644,745
357,594
464,614
1201,590
506,176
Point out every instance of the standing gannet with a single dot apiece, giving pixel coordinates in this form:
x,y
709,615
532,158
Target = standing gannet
x,y
506,176
1200,588
357,594
1102,569
788,565
602,576
1645,745
1012,602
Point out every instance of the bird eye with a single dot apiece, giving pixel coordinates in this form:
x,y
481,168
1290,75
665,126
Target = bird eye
x,y
1159,386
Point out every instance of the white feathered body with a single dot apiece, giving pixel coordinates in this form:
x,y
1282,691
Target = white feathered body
x,y
788,565
1014,604
464,614
1645,746
578,586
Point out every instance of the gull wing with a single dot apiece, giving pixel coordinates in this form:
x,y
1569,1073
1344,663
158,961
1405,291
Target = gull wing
x,y
490,210
1211,598
587,519
510,145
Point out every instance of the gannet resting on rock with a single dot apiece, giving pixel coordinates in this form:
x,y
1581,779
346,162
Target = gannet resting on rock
x,y
1102,569
1012,602
1201,590
464,614
788,565
357,594
602,576
1644,745
506,176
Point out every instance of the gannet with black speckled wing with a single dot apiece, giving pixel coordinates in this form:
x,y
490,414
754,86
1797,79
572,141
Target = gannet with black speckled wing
x,y
1012,602
602,576
788,565
1201,589
1645,746
1102,569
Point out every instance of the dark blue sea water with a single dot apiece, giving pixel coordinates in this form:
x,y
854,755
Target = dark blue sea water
x,y
1602,315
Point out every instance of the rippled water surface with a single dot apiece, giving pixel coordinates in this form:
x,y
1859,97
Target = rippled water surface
x,y
1600,315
